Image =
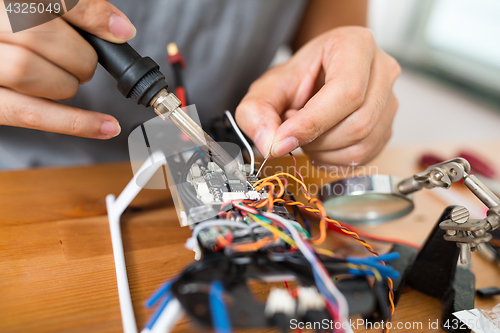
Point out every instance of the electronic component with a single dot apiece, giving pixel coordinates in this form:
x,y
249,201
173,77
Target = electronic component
x,y
213,187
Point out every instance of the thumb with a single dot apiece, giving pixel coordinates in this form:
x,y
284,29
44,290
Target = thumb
x,y
102,19
260,111
282,89
259,120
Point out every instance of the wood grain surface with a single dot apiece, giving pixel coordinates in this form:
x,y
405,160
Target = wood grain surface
x,y
56,264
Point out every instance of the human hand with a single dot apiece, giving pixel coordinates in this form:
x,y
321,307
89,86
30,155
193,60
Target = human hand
x,y
333,98
49,62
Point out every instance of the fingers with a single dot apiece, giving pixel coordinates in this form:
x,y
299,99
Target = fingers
x,y
372,114
347,59
26,72
36,113
365,150
258,114
102,19
283,87
60,44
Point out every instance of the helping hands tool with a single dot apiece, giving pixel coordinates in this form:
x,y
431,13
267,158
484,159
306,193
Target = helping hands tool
x,y
140,79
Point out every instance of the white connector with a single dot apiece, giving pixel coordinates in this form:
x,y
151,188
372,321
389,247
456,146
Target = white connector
x,y
309,299
279,301
230,196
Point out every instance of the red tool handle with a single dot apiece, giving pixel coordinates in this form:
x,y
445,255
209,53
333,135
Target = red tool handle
x,y
478,165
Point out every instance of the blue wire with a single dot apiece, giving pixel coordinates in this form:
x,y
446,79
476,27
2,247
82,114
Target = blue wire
x,y
154,317
306,222
375,262
164,288
322,288
220,317
308,226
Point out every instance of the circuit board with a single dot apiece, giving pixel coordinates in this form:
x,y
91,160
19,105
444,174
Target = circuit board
x,y
213,187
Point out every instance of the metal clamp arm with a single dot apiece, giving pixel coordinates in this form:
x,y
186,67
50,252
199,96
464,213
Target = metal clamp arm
x,y
437,175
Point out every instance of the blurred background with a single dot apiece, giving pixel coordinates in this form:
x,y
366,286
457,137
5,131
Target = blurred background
x,y
449,90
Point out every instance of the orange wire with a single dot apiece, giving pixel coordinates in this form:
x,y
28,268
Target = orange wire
x,y
324,217
253,246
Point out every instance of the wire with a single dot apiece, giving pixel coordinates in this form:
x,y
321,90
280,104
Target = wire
x,y
295,167
304,220
321,276
320,211
218,223
364,268
342,228
219,313
254,246
243,140
274,230
324,252
266,219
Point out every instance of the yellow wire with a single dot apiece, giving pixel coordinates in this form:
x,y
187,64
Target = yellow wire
x,y
366,268
324,251
390,296
320,211
276,177
274,230
327,218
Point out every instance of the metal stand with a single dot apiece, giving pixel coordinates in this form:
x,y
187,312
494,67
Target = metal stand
x,y
434,272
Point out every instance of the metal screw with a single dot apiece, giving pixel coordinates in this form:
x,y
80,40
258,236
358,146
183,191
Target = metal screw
x,y
459,214
438,175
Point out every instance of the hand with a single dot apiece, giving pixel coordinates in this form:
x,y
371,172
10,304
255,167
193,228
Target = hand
x,y
49,62
333,97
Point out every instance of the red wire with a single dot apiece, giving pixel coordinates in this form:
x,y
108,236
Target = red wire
x,y
372,237
295,167
365,235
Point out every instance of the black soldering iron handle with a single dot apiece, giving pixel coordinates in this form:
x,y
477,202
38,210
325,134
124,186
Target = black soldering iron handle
x,y
139,78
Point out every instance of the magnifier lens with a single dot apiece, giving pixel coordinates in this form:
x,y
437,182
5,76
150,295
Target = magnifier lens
x,y
377,202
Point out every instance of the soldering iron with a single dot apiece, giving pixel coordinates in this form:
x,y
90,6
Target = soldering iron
x,y
139,78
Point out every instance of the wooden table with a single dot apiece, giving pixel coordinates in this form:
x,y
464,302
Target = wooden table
x,y
56,264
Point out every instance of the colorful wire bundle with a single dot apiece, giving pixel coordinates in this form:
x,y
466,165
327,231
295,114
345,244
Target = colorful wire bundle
x,y
319,212
286,236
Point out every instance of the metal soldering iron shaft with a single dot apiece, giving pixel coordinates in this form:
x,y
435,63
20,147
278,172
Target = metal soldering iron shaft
x,y
167,106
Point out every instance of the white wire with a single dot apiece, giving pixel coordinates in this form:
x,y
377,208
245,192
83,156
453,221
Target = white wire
x,y
245,142
313,260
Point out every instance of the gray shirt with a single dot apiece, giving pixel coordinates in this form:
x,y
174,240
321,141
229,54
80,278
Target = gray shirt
x,y
226,44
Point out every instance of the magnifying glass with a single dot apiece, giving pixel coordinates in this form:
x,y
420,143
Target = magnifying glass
x,y
366,200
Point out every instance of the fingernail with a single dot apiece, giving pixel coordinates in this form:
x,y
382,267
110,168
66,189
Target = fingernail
x,y
263,140
121,27
111,128
87,79
285,146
